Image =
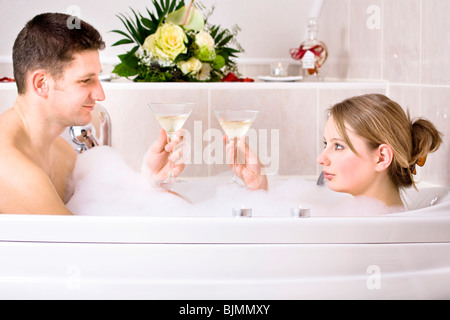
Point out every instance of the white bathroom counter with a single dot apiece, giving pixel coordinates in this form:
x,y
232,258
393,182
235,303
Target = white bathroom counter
x,y
329,84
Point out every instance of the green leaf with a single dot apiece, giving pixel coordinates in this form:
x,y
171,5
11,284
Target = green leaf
x,y
123,41
131,30
213,31
121,33
129,57
219,37
147,22
225,41
159,10
141,31
124,70
129,64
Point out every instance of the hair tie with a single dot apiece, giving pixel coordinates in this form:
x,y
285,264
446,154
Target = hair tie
x,y
420,162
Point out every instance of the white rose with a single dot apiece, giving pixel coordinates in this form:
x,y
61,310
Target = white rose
x,y
167,43
204,39
205,72
205,43
191,66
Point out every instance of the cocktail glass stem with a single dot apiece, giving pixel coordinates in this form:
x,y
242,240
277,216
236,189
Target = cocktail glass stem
x,y
170,178
234,179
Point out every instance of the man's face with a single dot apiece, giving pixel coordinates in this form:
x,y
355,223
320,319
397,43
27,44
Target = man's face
x,y
73,97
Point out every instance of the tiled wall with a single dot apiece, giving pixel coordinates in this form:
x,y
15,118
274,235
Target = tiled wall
x,y
404,42
292,117
288,130
409,50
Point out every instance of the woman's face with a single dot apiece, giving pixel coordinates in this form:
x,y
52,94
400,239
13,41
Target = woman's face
x,y
346,171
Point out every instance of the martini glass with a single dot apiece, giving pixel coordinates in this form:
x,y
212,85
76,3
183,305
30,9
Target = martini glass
x,y
235,123
171,117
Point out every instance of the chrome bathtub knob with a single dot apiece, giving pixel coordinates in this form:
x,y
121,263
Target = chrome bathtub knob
x,y
242,212
300,213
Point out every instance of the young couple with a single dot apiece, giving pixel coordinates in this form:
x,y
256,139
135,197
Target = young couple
x,y
371,147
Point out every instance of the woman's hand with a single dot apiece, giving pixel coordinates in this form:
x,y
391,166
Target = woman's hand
x,y
251,171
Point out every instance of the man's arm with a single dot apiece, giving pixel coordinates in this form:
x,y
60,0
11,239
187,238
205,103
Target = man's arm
x,y
26,189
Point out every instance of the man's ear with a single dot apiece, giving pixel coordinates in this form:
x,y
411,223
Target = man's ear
x,y
385,155
39,83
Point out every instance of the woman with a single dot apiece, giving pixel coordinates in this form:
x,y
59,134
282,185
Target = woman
x,y
372,148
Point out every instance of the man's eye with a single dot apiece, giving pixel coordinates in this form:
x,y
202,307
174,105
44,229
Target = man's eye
x,y
86,80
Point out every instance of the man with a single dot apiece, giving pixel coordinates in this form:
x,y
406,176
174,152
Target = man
x,y
56,70
86,138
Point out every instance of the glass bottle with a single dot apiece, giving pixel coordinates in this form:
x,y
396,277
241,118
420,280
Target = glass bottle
x,y
312,53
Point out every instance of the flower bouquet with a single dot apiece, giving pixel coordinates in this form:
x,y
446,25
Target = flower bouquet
x,y
175,44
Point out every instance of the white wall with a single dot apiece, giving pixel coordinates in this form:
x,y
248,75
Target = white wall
x,y
269,28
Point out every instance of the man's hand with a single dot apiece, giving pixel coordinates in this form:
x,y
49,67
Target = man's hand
x,y
162,156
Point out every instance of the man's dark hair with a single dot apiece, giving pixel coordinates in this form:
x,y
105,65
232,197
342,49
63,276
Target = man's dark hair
x,y
49,41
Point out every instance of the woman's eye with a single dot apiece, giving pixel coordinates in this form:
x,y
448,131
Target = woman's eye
x,y
338,146
324,144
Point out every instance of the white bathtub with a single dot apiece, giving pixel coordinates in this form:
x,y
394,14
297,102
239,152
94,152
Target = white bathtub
x,y
88,257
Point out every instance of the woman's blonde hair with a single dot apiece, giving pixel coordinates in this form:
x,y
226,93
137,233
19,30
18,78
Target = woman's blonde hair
x,y
379,120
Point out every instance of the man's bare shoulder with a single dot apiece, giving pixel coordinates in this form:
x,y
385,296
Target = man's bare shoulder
x,y
64,150
11,156
27,186
8,123
6,114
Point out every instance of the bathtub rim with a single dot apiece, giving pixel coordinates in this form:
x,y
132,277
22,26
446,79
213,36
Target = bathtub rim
x,y
227,230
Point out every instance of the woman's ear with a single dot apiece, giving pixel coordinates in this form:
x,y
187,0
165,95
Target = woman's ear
x,y
39,83
385,156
